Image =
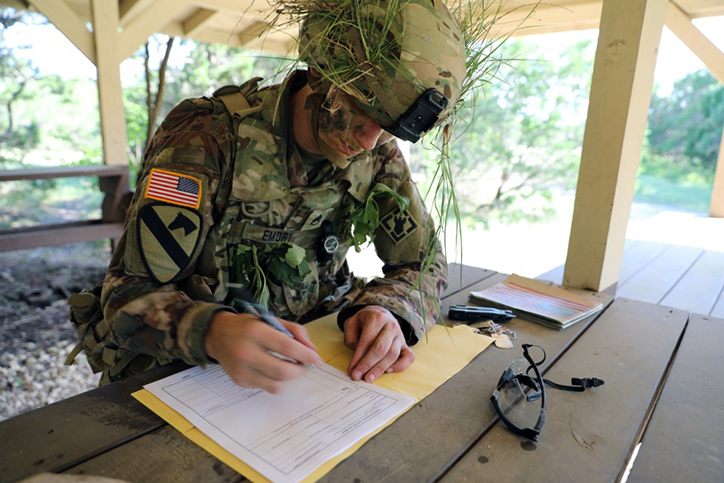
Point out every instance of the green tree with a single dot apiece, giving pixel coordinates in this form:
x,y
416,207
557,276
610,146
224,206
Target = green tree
x,y
523,138
16,77
685,127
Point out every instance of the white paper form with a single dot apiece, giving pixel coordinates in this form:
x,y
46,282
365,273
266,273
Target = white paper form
x,y
282,436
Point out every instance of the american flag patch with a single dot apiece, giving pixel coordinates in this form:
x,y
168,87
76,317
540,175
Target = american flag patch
x,y
174,188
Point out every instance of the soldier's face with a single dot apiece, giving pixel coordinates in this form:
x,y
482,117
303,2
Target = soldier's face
x,y
346,128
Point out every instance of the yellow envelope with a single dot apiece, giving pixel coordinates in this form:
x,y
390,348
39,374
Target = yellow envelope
x,y
437,359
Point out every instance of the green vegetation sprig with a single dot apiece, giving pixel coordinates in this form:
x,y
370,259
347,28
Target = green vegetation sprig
x,y
365,217
285,262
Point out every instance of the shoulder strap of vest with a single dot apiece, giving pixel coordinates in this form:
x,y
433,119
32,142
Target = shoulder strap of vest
x,y
235,102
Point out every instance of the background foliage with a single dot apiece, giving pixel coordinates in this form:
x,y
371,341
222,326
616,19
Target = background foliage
x,y
521,142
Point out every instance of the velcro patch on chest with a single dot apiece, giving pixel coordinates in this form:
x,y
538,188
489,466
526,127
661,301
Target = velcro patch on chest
x,y
399,225
175,188
167,237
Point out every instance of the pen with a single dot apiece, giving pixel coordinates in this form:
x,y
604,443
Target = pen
x,y
266,317
272,321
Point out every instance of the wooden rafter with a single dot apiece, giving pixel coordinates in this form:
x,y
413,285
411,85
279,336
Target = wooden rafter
x,y
151,21
253,32
548,18
201,18
697,42
128,9
68,22
240,7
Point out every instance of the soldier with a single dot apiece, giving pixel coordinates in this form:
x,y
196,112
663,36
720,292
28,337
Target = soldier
x,y
263,190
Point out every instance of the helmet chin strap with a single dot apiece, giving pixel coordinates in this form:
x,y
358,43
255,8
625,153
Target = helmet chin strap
x,y
334,157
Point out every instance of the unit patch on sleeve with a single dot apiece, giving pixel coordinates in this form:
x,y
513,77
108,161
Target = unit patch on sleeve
x,y
174,188
167,237
399,225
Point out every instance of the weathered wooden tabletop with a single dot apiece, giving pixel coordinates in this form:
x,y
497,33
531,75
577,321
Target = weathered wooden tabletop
x,y
660,366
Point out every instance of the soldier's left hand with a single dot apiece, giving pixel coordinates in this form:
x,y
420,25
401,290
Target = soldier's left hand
x,y
379,345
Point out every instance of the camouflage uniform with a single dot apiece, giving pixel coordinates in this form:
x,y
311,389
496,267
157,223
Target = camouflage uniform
x,y
206,190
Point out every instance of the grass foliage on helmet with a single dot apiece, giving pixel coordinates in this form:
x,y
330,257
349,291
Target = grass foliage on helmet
x,y
386,53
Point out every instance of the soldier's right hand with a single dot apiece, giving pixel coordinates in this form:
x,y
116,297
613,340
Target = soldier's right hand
x,y
241,343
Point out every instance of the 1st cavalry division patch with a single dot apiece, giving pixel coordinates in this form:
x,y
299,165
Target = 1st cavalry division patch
x,y
174,188
398,225
167,236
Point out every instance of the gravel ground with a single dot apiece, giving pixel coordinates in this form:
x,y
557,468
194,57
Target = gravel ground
x,y
35,333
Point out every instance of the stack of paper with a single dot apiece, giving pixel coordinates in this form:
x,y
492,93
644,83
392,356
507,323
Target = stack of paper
x,y
535,301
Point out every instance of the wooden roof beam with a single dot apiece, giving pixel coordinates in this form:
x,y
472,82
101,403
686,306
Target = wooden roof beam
x,y
68,22
680,23
254,32
271,45
149,22
198,21
240,7
128,9
701,8
548,18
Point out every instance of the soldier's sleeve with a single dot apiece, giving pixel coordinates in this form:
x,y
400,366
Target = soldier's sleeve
x,y
401,241
157,295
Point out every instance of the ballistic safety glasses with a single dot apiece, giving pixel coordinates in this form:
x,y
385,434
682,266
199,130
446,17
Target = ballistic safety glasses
x,y
520,396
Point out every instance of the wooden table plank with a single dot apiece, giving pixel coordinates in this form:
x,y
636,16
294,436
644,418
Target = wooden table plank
x,y
424,442
182,461
589,436
699,288
71,431
654,282
683,441
462,276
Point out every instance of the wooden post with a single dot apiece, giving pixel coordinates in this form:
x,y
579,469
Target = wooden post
x,y
716,205
618,109
110,91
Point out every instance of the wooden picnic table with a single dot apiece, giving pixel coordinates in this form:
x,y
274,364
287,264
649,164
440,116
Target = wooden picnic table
x,y
660,366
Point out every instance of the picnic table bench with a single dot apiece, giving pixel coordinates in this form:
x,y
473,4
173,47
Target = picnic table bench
x,y
660,366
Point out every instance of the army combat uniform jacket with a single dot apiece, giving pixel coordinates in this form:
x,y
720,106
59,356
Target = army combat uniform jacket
x,y
226,205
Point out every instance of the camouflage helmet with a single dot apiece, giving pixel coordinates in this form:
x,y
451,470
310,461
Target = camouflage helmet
x,y
403,60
